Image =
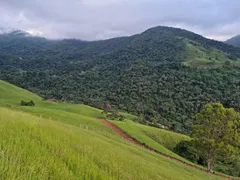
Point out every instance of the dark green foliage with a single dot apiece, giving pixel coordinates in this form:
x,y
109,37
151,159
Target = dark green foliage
x,y
124,71
216,134
30,103
231,168
215,142
114,115
187,150
121,118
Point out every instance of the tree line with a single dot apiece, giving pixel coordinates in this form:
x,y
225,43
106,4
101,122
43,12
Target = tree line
x,y
215,140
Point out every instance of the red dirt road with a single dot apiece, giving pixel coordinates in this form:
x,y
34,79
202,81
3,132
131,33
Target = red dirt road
x,y
129,138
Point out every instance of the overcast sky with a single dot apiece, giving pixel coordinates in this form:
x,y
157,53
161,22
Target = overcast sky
x,y
102,19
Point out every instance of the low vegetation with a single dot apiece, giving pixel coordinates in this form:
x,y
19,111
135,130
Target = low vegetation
x,y
38,148
65,141
214,143
30,103
196,55
159,139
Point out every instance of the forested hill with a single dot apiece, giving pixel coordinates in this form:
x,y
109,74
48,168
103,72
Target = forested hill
x,y
168,72
235,41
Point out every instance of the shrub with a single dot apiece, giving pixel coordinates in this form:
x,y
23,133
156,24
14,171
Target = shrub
x,y
30,103
121,118
186,150
114,115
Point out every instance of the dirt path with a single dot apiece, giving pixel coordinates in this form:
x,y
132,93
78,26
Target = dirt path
x,y
129,138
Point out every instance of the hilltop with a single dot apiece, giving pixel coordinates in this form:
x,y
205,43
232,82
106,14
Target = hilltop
x,y
235,41
171,73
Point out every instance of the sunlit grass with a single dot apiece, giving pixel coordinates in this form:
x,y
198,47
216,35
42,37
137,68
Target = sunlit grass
x,y
36,148
159,139
65,141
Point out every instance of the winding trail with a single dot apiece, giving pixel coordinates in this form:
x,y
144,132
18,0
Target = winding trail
x,y
129,138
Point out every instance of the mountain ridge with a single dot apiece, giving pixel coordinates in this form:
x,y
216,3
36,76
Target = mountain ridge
x,y
173,71
158,29
235,41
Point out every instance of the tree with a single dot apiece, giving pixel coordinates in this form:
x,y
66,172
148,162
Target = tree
x,y
217,133
185,149
140,112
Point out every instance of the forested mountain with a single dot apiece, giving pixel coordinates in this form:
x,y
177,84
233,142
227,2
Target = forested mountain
x,y
235,41
165,73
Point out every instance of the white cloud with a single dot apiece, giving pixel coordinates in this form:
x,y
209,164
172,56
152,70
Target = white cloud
x,y
98,19
34,32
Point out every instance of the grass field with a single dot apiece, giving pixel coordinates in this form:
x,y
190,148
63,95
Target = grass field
x,y
33,147
64,141
196,55
159,139
12,95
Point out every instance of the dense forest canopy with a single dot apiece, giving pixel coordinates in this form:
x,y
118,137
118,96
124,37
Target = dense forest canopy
x,y
171,72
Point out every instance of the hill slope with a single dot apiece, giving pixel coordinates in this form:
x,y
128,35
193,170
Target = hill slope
x,y
39,147
11,94
235,41
173,71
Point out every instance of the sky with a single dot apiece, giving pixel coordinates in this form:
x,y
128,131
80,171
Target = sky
x,y
103,19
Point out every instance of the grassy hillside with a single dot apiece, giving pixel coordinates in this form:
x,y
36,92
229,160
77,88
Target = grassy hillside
x,y
64,141
82,116
13,95
196,55
159,139
34,147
